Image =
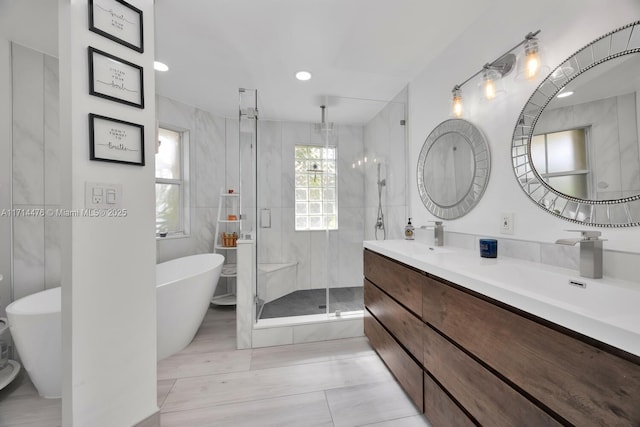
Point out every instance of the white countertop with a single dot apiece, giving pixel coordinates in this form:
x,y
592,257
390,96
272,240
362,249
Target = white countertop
x,y
606,309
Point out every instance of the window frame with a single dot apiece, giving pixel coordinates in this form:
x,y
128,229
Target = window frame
x,y
182,183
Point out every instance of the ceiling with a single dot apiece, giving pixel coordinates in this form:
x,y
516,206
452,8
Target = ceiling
x,y
362,49
355,49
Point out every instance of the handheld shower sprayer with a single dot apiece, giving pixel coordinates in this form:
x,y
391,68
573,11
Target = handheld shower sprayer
x,y
380,220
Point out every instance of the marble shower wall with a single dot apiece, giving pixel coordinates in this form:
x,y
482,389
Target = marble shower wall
x,y
334,258
385,142
615,150
36,179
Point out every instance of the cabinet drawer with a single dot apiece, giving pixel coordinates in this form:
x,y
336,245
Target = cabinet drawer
x,y
407,372
487,398
399,281
581,383
440,410
403,325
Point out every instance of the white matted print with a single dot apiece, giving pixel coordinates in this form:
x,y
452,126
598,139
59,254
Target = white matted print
x,y
114,78
118,21
113,140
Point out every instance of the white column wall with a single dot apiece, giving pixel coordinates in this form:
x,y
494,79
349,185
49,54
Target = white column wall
x,y
108,264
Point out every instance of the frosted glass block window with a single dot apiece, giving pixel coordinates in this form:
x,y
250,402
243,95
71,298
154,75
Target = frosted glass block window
x,y
561,159
316,195
171,188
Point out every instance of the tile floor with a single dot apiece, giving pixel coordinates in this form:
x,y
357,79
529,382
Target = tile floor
x,y
210,383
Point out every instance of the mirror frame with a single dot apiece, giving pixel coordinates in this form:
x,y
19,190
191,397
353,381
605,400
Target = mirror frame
x,y
623,212
482,159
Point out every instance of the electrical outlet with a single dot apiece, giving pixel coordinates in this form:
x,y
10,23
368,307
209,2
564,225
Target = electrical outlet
x,y
506,223
102,195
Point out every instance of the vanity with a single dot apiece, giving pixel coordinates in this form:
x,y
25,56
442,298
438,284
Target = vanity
x,y
472,342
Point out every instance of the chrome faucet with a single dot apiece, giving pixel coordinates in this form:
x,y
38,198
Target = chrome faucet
x,y
438,232
590,252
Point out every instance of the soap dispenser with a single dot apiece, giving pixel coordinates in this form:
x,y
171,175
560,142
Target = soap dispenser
x,y
408,231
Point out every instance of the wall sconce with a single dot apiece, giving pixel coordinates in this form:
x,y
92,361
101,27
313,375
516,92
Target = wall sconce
x,y
493,72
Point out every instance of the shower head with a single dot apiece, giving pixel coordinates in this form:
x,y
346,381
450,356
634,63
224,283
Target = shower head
x,y
323,126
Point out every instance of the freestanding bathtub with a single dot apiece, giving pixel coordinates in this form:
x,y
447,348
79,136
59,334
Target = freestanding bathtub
x,y
185,287
35,323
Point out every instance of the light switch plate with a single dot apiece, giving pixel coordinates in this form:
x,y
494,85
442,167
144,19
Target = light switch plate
x,y
102,196
506,222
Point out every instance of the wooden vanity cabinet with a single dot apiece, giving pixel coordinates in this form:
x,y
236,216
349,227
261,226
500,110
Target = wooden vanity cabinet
x,y
485,363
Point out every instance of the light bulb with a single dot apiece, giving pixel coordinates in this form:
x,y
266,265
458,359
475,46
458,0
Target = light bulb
x,y
457,102
489,89
533,64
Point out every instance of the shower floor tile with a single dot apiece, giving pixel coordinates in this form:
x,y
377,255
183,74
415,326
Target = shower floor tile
x,y
313,301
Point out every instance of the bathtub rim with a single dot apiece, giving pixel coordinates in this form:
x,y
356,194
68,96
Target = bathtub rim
x,y
189,276
13,309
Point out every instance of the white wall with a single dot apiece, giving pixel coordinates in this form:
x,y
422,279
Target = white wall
x,y
566,27
108,264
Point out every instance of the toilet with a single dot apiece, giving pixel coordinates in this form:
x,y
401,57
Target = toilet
x,y
35,325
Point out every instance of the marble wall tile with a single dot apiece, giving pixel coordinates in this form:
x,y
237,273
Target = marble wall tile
x,y
270,240
232,152
460,240
266,337
350,180
28,126
529,251
210,162
28,256
52,165
296,247
335,329
319,257
271,166
621,265
560,255
204,229
52,251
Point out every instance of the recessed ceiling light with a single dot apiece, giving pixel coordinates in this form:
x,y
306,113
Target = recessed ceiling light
x,y
564,94
159,66
303,75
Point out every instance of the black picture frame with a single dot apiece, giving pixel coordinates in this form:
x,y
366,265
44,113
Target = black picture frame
x,y
115,79
116,141
117,20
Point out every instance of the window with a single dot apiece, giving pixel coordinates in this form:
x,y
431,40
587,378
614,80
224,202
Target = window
x,y
171,189
316,188
561,160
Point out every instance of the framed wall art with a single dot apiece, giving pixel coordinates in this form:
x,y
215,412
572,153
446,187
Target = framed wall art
x,y
113,140
118,21
114,78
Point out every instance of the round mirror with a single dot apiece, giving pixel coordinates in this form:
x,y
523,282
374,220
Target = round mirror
x,y
453,169
575,147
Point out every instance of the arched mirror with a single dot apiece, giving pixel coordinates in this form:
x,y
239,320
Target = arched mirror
x,y
453,168
575,149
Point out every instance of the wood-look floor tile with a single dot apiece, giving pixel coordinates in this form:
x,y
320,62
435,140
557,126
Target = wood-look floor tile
x,y
198,392
30,411
369,403
414,421
303,410
183,365
270,357
164,387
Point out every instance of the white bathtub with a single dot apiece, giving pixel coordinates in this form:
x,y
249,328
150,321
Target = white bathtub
x,y
185,287
35,324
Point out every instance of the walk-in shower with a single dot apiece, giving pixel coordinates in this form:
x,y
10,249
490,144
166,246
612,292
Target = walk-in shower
x,y
317,188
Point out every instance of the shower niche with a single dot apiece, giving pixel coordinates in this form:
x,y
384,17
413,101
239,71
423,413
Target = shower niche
x,y
312,195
